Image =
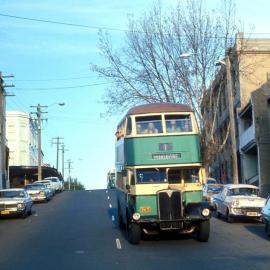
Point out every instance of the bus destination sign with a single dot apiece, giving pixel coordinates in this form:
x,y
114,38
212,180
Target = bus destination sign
x,y
164,156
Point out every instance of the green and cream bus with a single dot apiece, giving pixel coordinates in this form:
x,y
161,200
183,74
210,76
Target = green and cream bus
x,y
111,179
159,174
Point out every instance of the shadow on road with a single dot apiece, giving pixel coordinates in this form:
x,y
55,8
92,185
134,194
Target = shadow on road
x,y
257,229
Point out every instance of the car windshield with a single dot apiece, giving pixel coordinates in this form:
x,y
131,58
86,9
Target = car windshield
x,y
243,192
214,189
12,194
151,176
35,187
211,181
47,183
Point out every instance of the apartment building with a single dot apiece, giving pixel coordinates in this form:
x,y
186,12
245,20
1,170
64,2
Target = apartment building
x,y
254,139
249,65
21,134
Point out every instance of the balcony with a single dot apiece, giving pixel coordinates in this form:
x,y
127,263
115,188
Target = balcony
x,y
247,138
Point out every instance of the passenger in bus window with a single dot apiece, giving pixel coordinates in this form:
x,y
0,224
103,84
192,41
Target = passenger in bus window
x,y
151,128
172,126
186,125
140,129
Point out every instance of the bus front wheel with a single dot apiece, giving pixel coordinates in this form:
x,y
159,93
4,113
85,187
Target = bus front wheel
x,y
134,233
203,231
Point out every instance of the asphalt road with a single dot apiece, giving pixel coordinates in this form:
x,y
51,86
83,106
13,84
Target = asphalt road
x,y
78,230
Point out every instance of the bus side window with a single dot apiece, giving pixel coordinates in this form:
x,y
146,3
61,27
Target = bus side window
x,y
132,179
129,126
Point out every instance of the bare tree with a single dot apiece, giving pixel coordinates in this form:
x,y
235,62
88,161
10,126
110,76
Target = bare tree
x,y
169,58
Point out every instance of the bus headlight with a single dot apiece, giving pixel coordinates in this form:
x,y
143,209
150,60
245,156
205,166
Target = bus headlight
x,y
136,216
205,212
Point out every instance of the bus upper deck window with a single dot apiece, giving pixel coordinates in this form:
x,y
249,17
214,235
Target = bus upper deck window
x,y
148,125
178,123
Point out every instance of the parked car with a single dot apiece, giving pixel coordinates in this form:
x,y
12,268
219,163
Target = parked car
x,y
210,180
209,190
48,183
56,182
38,192
239,201
15,201
266,216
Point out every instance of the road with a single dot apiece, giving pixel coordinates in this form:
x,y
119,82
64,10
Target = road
x,y
78,230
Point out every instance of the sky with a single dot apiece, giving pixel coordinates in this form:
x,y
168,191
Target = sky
x,y
51,64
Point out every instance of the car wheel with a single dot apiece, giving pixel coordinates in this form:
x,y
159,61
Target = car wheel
x,y
203,231
24,214
229,218
29,212
218,215
134,233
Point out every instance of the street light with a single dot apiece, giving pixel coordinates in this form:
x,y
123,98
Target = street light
x,y
57,103
220,62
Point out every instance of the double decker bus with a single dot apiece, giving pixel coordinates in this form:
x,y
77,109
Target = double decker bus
x,y
159,174
111,179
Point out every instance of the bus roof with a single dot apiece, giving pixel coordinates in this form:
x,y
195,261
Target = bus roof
x,y
159,108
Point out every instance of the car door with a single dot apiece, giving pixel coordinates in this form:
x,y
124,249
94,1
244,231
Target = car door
x,y
223,206
218,201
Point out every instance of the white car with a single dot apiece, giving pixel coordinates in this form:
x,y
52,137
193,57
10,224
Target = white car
x,y
56,182
15,201
239,201
38,192
48,183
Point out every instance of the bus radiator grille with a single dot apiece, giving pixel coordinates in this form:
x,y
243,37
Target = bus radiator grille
x,y
170,204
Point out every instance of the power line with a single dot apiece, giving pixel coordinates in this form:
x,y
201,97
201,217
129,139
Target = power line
x,y
62,23
94,27
55,79
58,88
79,25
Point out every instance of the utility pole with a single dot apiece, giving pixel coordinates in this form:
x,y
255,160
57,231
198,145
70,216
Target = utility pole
x,y
63,160
232,120
69,162
58,143
39,114
4,169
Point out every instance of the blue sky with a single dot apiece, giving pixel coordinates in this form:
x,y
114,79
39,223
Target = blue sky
x,y
59,56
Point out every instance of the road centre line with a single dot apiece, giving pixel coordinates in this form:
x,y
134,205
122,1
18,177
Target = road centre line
x,y
110,205
118,243
113,219
79,251
108,197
